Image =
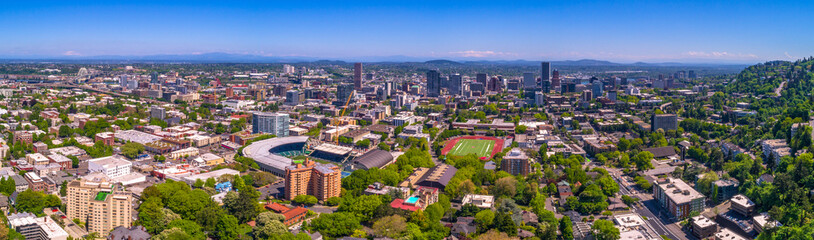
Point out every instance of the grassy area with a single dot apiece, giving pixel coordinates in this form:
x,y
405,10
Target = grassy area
x,y
481,148
300,157
244,229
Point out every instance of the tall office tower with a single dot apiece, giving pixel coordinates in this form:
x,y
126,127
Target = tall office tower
x,y
597,88
555,79
545,85
545,71
529,82
154,77
433,83
103,205
455,84
357,76
343,92
123,80
271,123
321,180
388,88
623,81
482,78
691,74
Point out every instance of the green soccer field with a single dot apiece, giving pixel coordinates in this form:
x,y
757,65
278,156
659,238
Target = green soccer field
x,y
481,148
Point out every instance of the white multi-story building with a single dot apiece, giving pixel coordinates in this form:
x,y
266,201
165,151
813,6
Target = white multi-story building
x,y
32,227
113,166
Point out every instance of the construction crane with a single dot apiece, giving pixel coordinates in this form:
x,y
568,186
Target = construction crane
x,y
341,113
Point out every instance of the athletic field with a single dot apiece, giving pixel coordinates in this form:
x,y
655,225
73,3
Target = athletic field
x,y
481,148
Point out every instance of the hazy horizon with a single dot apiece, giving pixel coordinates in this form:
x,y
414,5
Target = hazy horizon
x,y
622,32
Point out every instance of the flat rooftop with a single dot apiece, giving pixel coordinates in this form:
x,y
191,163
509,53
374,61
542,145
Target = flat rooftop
x,y
726,234
111,161
630,220
333,149
136,136
677,190
742,200
703,222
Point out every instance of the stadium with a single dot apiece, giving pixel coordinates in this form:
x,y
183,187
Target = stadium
x,y
274,154
483,147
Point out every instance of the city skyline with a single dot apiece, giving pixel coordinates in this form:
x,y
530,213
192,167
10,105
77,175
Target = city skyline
x,y
631,31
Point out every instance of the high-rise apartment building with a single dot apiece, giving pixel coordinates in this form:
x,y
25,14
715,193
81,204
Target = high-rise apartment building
x,y
357,76
320,180
433,83
678,197
158,112
455,84
529,82
271,123
343,93
516,162
294,97
94,199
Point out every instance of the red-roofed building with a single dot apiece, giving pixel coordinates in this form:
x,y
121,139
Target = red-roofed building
x,y
276,207
240,116
292,215
399,203
421,198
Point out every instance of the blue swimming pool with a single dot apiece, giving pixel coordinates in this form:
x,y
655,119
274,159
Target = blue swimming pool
x,y
411,200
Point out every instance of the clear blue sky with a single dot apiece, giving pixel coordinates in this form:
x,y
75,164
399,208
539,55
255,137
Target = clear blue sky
x,y
623,31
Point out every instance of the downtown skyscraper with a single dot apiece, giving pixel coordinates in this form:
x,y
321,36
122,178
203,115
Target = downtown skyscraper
x,y
357,76
545,71
455,84
529,82
433,83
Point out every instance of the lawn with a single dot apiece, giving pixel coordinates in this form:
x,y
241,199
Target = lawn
x,y
481,148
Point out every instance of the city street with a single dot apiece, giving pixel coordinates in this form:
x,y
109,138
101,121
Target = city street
x,y
646,208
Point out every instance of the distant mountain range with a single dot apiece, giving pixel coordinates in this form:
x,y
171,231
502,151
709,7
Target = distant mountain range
x,y
248,58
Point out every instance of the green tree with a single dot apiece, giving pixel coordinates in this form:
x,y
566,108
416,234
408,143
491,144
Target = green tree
x,y
485,218
504,223
393,226
307,200
227,227
336,224
363,206
269,224
605,230
566,228
172,234
506,186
